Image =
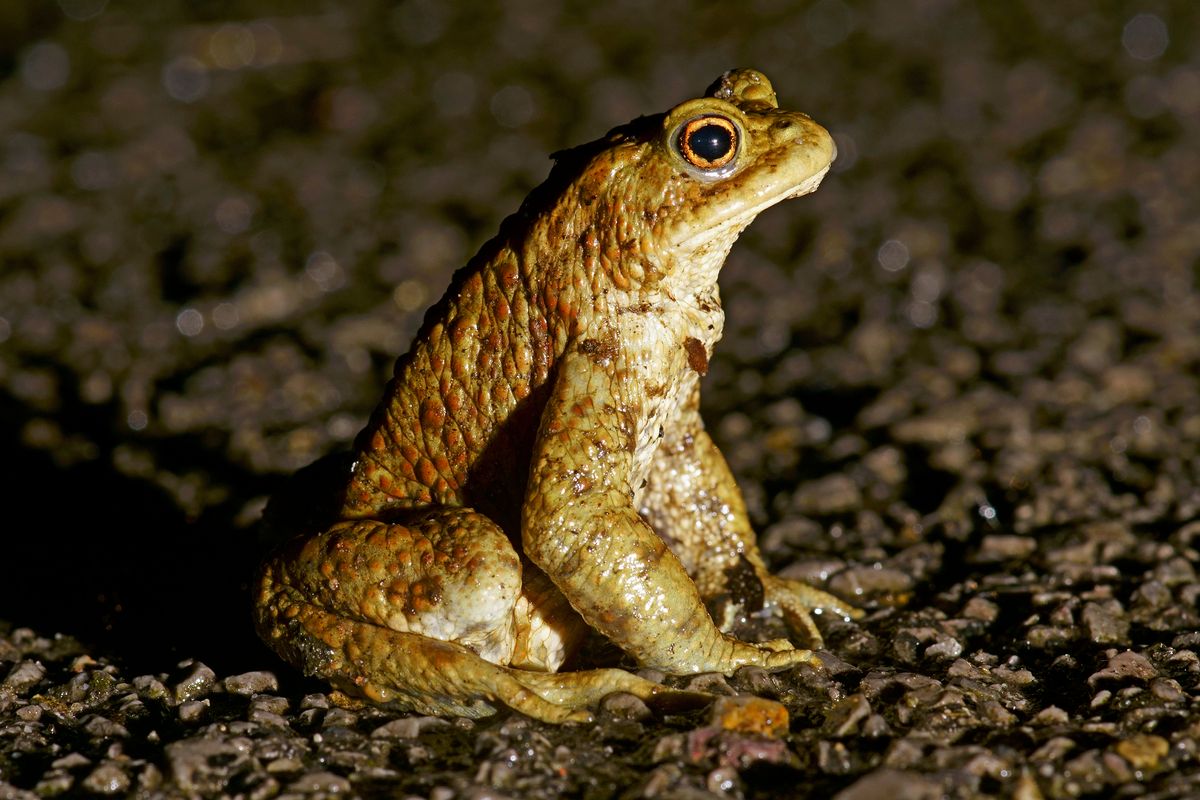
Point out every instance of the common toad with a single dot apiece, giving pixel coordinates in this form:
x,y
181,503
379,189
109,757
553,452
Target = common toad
x,y
538,466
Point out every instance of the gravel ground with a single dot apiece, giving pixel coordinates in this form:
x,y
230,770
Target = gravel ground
x,y
959,384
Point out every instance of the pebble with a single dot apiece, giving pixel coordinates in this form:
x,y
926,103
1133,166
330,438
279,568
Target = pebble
x,y
202,765
750,714
891,784
193,711
269,703
1105,623
407,727
106,779
197,681
832,494
1124,666
23,677
1143,751
249,683
321,782
999,547
624,705
846,715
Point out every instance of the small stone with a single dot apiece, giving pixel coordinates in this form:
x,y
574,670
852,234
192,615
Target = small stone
x,y
23,677
407,727
193,711
248,683
107,778
624,705
82,662
1014,677
1049,637
756,680
315,701
981,609
1027,788
99,727
1143,751
914,643
965,669
998,548
658,783
893,784
269,702
833,758
831,494
1050,715
29,713
151,778
864,580
52,784
1125,666
1168,690
320,782
203,766
339,718
845,715
280,765
722,781
102,685
198,682
150,687
668,748
1105,623
877,727
1152,595
1053,750
652,675
944,649
996,715
268,718
750,714
904,753
265,787
71,761
710,683
1175,571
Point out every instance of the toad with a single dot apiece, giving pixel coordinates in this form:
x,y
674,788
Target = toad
x,y
538,467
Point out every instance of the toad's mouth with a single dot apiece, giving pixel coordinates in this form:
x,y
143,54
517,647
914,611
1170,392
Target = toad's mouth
x,y
732,218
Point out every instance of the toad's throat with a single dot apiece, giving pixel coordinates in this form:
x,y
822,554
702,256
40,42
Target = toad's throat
x,y
733,217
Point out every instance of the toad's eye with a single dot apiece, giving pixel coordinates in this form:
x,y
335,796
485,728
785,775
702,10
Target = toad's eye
x,y
708,142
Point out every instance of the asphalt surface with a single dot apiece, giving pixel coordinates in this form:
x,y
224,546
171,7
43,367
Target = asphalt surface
x,y
960,384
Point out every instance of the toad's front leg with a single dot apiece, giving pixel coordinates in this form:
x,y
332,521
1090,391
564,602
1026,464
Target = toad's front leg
x,y
581,528
693,501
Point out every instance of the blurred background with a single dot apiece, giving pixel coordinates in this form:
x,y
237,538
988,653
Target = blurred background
x,y
221,222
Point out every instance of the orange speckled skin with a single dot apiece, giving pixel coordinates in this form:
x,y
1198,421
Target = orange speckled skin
x,y
538,465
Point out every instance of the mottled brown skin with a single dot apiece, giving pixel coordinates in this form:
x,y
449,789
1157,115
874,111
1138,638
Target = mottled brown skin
x,y
538,465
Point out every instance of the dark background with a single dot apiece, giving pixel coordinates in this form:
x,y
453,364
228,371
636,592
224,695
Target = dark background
x,y
221,222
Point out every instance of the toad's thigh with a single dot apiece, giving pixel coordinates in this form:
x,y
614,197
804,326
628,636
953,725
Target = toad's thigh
x,y
449,574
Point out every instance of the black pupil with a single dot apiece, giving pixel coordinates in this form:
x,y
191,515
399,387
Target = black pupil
x,y
711,142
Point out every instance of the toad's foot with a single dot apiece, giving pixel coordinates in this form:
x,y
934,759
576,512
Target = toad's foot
x,y
796,601
410,672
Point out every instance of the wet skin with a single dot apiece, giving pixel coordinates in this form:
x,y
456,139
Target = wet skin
x,y
538,467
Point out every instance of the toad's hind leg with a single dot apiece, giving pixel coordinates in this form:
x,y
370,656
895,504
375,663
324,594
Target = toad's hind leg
x,y
423,614
411,672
